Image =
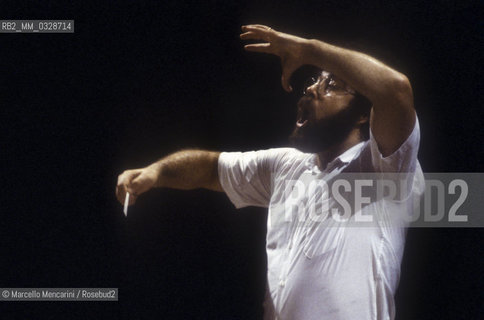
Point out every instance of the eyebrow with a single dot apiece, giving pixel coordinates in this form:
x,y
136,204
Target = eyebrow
x,y
334,78
330,76
341,82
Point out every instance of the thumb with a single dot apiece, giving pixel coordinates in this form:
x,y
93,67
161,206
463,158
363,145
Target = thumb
x,y
287,72
140,184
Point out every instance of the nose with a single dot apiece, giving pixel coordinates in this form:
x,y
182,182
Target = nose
x,y
311,90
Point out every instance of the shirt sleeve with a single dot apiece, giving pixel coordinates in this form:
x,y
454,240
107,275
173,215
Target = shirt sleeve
x,y
401,166
246,177
403,160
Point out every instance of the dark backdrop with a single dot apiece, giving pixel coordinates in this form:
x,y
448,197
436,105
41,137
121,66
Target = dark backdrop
x,y
138,80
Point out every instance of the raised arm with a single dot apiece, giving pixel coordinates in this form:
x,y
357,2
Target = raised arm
x,y
393,115
188,169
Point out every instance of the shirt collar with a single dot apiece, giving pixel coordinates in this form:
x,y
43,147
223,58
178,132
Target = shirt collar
x,y
344,158
351,153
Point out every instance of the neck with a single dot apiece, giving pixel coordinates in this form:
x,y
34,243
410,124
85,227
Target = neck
x,y
329,154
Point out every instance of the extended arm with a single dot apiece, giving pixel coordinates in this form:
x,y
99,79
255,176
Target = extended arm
x,y
188,169
393,114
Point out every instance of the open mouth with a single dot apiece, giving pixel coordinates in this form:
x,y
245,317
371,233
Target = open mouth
x,y
302,118
301,123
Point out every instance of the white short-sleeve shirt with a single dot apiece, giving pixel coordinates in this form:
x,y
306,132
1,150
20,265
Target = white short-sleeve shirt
x,y
318,267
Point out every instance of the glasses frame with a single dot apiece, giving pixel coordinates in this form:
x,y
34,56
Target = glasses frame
x,y
323,83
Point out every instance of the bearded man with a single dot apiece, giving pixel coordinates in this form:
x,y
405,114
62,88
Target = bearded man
x,y
356,116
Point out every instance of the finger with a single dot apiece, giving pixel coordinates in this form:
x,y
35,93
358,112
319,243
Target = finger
x,y
259,32
285,84
121,186
127,180
250,35
139,184
287,71
135,185
124,180
127,176
121,193
259,47
286,78
256,35
256,27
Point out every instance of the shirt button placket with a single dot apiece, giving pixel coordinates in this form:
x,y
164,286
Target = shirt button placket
x,y
282,283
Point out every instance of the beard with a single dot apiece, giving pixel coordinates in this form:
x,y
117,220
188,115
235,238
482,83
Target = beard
x,y
320,135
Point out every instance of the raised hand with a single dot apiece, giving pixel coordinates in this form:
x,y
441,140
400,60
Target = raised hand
x,y
290,49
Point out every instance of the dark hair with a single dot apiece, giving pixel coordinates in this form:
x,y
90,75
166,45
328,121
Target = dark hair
x,y
362,106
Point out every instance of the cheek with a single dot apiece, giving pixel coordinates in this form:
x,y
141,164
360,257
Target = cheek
x,y
326,109
321,112
331,106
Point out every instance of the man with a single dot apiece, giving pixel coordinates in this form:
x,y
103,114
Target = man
x,y
319,267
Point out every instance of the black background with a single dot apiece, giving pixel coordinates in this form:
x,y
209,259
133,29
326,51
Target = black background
x,y
138,80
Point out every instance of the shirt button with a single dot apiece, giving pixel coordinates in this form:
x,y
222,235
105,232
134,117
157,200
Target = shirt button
x,y
282,283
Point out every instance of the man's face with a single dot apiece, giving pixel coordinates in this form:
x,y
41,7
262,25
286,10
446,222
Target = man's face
x,y
324,116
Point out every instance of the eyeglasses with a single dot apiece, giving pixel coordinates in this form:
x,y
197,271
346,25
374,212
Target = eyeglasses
x,y
327,85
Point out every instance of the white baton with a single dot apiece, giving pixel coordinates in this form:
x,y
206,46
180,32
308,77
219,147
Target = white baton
x,y
126,201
